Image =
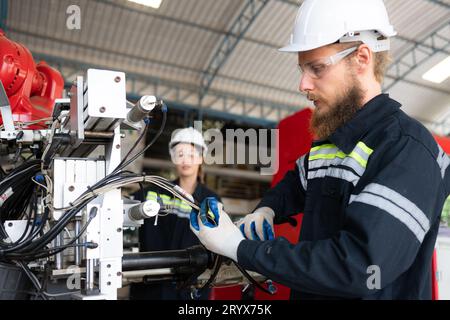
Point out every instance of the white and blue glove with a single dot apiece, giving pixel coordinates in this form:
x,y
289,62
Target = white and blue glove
x,y
258,225
215,230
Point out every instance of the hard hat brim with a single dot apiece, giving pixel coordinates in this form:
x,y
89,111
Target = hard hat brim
x,y
289,48
299,48
295,47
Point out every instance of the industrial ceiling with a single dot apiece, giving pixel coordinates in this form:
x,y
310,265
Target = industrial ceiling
x,y
221,57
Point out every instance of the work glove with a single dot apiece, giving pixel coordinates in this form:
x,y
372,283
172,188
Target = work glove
x,y
215,230
258,225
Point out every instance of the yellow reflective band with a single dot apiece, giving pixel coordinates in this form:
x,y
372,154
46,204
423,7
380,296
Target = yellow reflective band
x,y
365,148
330,156
342,155
185,206
358,159
151,195
166,199
325,146
181,204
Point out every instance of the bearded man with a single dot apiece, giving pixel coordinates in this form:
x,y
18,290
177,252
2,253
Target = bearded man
x,y
372,186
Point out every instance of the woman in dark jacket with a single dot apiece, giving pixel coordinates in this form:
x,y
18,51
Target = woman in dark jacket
x,y
171,232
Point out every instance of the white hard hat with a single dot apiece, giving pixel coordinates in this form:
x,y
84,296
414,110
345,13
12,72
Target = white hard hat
x,y
188,135
323,22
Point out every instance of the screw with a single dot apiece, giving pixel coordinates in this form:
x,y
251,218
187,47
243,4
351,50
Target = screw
x,y
102,110
71,188
10,224
117,146
119,229
108,266
119,274
108,283
9,59
117,79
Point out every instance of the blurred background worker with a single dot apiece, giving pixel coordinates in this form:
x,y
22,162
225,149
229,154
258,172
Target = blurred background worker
x,y
171,232
372,186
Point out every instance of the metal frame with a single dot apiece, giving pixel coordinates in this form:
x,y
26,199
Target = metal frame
x,y
185,23
3,14
295,3
184,97
418,54
441,3
200,102
250,11
144,59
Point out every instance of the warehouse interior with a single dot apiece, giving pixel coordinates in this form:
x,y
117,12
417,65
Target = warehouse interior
x,y
218,62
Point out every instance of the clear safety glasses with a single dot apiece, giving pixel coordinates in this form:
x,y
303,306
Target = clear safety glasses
x,y
186,154
318,68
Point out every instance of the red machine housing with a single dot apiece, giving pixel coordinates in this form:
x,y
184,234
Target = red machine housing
x,y
31,88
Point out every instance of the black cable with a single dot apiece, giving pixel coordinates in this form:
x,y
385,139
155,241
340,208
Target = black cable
x,y
49,252
217,266
250,278
29,274
29,239
41,242
15,190
2,173
25,232
29,248
161,129
142,135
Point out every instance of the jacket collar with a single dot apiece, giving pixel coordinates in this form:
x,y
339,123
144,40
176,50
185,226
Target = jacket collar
x,y
347,136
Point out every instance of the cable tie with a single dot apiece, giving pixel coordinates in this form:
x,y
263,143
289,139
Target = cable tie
x,y
92,191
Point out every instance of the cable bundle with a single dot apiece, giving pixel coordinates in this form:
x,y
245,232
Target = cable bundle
x,y
19,199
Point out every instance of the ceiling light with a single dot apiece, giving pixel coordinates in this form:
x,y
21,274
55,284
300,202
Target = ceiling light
x,y
439,73
149,3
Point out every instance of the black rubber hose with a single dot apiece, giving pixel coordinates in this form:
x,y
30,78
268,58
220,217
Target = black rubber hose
x,y
196,256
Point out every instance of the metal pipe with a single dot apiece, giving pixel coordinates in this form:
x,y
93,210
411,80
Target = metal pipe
x,y
142,108
89,275
59,259
196,257
78,248
98,135
143,273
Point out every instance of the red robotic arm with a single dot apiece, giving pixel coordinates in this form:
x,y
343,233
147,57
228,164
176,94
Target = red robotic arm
x,y
31,88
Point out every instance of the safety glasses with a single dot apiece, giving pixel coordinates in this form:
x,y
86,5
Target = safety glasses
x,y
186,154
318,68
